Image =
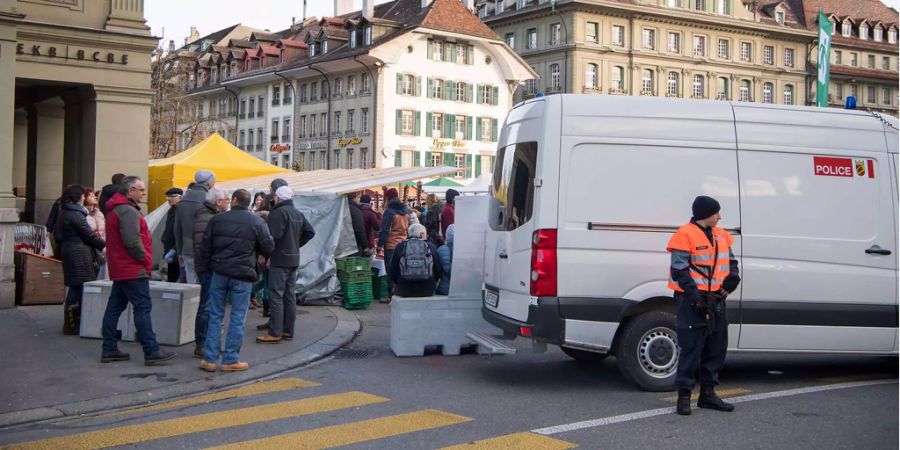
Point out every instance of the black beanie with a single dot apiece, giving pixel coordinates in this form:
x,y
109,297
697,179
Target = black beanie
x,y
277,183
704,207
451,195
365,198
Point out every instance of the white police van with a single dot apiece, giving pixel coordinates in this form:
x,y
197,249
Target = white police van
x,y
587,191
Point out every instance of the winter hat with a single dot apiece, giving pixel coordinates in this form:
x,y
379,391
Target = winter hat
x,y
390,194
174,191
277,183
285,193
365,199
451,195
705,207
204,177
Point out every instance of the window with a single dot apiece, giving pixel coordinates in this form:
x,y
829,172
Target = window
x,y
323,124
461,53
349,159
487,94
276,95
250,143
555,30
769,54
870,94
364,120
879,34
674,3
699,5
242,142
618,35
590,76
437,88
274,137
724,47
554,77
699,87
486,131
853,91
406,122
366,84
511,40
845,28
364,158
618,77
461,91
314,91
286,132
837,57
367,35
699,45
408,85
591,31
674,42
312,126
839,91
352,34
438,51
437,125
892,36
259,138
350,114
789,57
288,94
459,161
745,91
886,63
302,127
351,85
259,106
853,59
779,17
647,82
243,108
746,51
499,6
460,128
437,159
514,181
871,61
886,95
864,32
723,89
767,92
406,158
788,94
336,128
338,85
531,41
649,39
252,112
724,7
530,86
672,88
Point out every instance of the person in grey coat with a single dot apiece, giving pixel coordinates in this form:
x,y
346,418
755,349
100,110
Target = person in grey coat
x,y
184,221
290,230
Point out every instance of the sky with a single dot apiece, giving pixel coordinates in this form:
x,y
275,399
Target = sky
x,y
172,19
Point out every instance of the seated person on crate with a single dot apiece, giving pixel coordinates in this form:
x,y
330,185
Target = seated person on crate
x,y
415,267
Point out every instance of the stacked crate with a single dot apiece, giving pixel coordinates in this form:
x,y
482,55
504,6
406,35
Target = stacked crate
x,y
355,275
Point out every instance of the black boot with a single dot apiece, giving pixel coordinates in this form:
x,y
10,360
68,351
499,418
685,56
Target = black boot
x,y
69,327
709,399
198,348
684,402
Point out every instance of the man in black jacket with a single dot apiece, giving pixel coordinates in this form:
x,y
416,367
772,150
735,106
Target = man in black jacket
x,y
173,196
290,230
184,221
229,247
359,225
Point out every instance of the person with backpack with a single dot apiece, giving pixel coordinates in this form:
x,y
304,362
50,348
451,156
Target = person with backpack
x,y
415,267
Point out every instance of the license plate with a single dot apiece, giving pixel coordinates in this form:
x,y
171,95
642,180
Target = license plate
x,y
491,298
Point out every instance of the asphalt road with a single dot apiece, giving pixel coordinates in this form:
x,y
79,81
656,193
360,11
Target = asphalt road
x,y
369,399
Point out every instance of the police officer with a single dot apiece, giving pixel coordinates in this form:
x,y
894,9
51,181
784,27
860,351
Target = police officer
x,y
703,272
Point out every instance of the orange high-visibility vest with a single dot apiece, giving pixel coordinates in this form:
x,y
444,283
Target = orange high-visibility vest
x,y
710,261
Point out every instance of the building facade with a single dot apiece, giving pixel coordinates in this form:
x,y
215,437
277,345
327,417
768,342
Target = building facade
x,y
75,90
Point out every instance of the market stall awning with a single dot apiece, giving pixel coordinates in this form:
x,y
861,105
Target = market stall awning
x,y
340,181
442,182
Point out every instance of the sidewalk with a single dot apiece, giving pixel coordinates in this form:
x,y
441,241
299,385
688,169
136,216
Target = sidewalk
x,y
48,375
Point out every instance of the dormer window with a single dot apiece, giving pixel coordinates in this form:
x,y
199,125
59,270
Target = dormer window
x,y
367,36
233,68
892,36
779,17
864,32
879,33
324,45
312,50
352,38
846,27
283,55
213,75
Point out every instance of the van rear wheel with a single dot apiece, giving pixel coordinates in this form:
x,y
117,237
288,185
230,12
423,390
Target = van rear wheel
x,y
648,351
584,355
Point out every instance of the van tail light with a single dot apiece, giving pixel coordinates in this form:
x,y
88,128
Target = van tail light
x,y
543,263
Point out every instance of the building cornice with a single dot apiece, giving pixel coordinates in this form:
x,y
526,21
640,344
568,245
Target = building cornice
x,y
45,32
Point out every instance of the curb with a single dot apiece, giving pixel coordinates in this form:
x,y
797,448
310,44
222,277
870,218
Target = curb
x,y
348,327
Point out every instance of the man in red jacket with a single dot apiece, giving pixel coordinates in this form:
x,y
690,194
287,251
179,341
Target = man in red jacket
x,y
448,214
129,251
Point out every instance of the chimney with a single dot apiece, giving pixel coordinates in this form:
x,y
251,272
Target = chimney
x,y
192,37
368,9
426,3
470,4
171,45
342,7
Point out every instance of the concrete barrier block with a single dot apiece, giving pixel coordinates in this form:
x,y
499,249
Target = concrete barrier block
x,y
93,306
442,321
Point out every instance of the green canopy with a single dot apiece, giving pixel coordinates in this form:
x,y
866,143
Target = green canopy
x,y
443,182
411,184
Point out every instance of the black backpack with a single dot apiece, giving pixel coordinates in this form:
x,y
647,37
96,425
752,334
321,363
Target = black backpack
x,y
417,262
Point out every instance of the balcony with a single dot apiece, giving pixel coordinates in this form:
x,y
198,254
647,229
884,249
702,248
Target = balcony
x,y
616,91
698,97
276,102
647,92
273,139
673,95
251,115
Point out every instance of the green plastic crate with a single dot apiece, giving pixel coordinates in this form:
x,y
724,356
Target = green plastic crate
x,y
353,264
355,277
357,292
361,305
380,287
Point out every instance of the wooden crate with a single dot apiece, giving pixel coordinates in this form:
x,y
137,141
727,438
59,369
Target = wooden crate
x,y
39,280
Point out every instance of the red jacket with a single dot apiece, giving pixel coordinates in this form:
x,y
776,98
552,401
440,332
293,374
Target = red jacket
x,y
129,245
372,221
447,216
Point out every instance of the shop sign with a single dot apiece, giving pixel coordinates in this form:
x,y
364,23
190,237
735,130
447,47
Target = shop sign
x,y
455,143
70,53
351,141
278,148
314,144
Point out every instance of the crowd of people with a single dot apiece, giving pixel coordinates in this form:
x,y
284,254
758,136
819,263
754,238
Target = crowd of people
x,y
246,251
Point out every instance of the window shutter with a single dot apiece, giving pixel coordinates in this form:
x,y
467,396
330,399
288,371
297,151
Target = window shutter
x,y
470,55
418,86
428,124
427,159
494,131
468,128
468,166
430,51
478,97
399,121
429,87
449,159
448,88
399,83
478,130
452,49
470,95
398,158
417,159
496,94
448,125
417,124
477,166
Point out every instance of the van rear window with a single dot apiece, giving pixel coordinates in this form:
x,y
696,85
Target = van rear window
x,y
513,185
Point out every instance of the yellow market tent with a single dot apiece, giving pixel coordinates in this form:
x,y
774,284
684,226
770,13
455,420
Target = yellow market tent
x,y
213,153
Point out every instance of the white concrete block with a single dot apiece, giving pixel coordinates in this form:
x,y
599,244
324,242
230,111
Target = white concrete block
x,y
435,321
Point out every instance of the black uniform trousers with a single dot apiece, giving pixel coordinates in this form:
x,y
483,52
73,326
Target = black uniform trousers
x,y
701,354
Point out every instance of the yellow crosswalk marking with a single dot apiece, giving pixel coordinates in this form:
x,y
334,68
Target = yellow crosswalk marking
x,y
352,433
133,434
265,387
516,441
721,393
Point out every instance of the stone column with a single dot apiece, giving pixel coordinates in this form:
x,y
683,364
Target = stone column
x,y
51,124
121,135
8,214
127,16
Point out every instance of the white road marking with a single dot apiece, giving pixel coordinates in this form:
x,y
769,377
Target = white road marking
x,y
670,410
